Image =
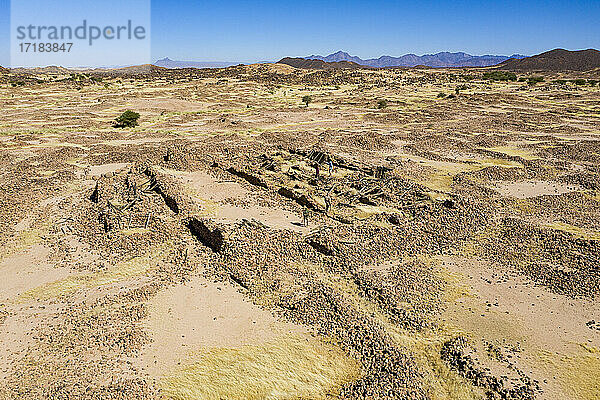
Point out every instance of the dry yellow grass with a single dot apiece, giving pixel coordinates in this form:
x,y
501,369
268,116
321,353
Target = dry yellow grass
x,y
578,374
441,177
594,195
443,383
291,367
455,286
439,181
134,231
575,230
365,211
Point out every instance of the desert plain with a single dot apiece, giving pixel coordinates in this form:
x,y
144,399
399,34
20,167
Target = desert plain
x,y
405,233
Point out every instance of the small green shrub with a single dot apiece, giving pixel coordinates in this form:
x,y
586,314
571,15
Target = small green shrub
x,y
128,119
441,95
306,99
381,104
500,76
459,88
579,82
532,80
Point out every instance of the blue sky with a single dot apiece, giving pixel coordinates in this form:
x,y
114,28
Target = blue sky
x,y
270,29
86,20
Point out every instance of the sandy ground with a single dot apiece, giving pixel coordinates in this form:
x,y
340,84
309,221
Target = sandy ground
x,y
527,189
200,315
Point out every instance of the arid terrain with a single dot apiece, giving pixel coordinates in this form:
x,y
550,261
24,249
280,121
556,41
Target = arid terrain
x,y
405,233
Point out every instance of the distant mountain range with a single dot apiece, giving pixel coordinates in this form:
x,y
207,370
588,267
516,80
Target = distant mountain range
x,y
443,59
168,63
318,64
553,60
557,60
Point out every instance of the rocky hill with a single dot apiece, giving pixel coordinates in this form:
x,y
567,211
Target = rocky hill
x,y
50,70
557,60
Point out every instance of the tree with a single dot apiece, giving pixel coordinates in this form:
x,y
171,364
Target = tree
x,y
127,120
306,99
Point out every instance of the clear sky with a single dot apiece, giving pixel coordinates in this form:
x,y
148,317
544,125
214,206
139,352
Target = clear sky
x,y
248,31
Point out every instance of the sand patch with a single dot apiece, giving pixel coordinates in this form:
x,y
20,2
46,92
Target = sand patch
x,y
528,189
211,188
20,272
199,315
98,170
272,217
26,270
133,268
15,336
167,104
